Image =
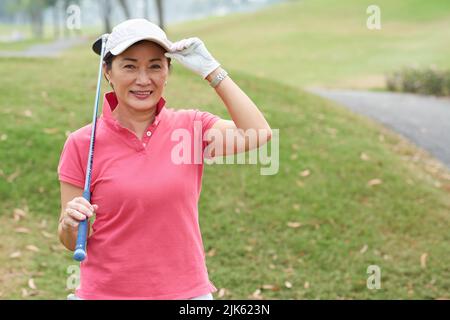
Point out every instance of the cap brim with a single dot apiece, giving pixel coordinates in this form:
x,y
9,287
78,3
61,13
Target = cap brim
x,y
97,45
125,45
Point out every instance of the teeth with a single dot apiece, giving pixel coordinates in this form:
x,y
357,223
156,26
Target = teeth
x,y
142,92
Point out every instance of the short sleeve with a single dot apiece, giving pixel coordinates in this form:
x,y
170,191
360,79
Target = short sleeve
x,y
207,119
70,168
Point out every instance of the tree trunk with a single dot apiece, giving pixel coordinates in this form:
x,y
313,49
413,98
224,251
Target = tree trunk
x,y
126,11
56,18
106,12
37,24
146,9
160,9
66,30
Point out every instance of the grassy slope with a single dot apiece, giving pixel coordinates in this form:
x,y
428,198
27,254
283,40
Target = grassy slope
x,y
326,42
243,215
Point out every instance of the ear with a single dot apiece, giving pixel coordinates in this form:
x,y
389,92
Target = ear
x,y
106,72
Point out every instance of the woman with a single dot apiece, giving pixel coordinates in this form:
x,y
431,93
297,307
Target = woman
x,y
146,242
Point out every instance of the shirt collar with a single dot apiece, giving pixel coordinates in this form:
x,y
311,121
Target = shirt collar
x,y
110,103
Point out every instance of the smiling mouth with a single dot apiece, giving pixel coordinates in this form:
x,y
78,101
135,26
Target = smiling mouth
x,y
141,94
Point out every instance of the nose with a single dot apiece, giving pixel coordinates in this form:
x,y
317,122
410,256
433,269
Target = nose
x,y
143,79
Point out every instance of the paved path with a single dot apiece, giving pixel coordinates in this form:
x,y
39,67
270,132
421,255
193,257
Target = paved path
x,y
424,120
47,50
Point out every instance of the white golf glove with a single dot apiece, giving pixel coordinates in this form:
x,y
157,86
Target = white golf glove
x,y
192,53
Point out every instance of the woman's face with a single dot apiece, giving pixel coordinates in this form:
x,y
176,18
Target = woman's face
x,y
138,75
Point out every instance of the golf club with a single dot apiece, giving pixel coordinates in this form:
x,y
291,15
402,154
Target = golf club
x,y
80,248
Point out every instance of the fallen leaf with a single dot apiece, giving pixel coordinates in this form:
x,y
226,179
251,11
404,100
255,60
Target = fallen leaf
x,y
31,284
268,286
3,137
423,260
32,248
22,230
248,248
294,156
51,130
57,247
41,190
15,255
374,182
271,266
306,285
43,224
211,253
288,284
257,294
46,234
289,270
300,183
364,249
25,293
305,173
28,113
294,146
19,214
13,176
364,156
294,224
296,206
221,293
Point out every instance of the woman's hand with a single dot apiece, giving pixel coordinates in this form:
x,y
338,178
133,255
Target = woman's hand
x,y
192,53
76,211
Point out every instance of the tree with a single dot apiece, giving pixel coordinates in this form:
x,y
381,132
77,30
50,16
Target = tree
x,y
56,16
35,11
160,9
126,11
106,10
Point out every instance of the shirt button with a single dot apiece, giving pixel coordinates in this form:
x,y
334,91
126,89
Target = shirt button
x,y
149,133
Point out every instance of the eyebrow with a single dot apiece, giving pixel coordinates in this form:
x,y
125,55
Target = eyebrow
x,y
135,60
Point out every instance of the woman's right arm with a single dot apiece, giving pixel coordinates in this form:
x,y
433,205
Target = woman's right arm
x,y
74,208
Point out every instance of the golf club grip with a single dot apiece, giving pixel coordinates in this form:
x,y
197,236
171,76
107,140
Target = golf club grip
x,y
80,247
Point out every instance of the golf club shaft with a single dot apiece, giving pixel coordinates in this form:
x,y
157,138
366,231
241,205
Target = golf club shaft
x,y
80,248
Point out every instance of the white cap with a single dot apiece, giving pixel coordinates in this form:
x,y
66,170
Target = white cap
x,y
129,32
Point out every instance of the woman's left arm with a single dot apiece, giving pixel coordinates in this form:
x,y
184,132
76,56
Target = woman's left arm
x,y
248,128
248,122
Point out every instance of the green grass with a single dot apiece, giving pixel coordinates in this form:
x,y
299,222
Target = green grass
x,y
326,42
243,215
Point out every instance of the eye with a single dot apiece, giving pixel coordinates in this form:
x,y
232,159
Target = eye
x,y
156,66
129,66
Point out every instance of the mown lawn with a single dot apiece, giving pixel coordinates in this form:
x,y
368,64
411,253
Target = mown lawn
x,y
326,42
308,232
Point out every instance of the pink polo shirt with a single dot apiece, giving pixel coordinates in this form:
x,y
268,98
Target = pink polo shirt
x,y
146,241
